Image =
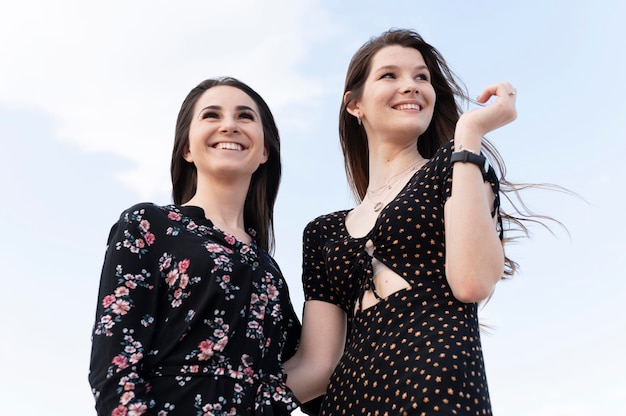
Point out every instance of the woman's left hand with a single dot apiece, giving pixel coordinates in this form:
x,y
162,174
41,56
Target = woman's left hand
x,y
481,121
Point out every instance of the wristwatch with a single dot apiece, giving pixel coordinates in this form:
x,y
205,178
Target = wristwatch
x,y
465,156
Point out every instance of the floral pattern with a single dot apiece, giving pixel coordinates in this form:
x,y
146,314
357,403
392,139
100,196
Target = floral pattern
x,y
190,320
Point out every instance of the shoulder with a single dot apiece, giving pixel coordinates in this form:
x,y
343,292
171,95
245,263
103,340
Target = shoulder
x,y
445,150
147,212
323,221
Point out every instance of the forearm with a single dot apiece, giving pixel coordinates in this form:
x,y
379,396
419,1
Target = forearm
x,y
474,252
306,378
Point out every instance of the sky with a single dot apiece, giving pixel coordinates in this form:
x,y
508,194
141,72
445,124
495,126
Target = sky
x,y
89,94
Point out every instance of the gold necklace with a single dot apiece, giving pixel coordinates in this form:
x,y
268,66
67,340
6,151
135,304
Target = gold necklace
x,y
389,184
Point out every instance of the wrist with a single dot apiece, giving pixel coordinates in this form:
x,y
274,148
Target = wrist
x,y
465,155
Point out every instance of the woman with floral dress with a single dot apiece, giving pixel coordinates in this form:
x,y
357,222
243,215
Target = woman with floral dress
x,y
193,315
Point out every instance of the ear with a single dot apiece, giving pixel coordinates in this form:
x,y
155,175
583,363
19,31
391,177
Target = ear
x,y
187,155
266,155
352,106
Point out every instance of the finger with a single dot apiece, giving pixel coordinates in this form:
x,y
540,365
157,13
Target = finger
x,y
503,89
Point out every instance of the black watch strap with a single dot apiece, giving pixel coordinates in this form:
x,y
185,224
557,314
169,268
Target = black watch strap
x,y
465,156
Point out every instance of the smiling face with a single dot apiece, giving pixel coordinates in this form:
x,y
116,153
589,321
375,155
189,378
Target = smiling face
x,y
226,133
398,98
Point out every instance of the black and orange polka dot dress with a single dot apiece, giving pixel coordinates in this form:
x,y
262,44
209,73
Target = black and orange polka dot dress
x,y
417,351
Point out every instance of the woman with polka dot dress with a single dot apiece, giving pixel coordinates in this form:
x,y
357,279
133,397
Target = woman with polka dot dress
x,y
392,286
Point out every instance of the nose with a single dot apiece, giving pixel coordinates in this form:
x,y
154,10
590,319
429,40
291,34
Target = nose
x,y
411,87
229,125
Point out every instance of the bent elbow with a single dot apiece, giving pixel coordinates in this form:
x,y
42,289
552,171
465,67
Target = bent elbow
x,y
473,294
473,289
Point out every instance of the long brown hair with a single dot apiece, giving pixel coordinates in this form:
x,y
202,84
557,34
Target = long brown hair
x,y
259,204
451,95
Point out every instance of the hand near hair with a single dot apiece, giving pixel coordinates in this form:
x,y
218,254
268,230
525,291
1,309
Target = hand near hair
x,y
480,121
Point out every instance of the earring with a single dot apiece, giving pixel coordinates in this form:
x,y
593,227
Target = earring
x,y
358,120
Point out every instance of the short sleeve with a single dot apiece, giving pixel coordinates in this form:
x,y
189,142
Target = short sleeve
x,y
314,280
445,169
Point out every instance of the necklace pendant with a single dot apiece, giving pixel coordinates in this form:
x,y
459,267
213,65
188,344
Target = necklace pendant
x,y
378,206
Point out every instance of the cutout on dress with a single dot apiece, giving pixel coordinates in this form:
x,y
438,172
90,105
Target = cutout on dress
x,y
385,282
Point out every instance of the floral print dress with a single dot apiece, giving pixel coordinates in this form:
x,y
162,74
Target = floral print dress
x,y
190,320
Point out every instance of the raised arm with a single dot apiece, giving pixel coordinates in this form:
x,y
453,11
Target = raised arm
x,y
474,252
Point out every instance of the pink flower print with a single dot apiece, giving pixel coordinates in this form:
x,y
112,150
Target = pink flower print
x,y
135,358
130,284
272,292
192,225
120,361
175,216
183,265
214,248
171,278
108,300
139,243
206,350
121,291
137,409
120,307
149,238
127,397
221,344
245,249
259,312
184,280
230,239
165,262
144,225
226,278
119,411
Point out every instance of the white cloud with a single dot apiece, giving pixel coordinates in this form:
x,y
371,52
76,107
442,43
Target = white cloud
x,y
113,75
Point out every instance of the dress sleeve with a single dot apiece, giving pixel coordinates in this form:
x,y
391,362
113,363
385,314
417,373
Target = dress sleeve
x,y
125,314
445,169
314,279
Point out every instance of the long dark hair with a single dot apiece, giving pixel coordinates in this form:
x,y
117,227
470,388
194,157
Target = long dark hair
x,y
451,95
259,204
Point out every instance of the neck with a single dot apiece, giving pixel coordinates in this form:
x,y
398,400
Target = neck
x,y
223,204
387,166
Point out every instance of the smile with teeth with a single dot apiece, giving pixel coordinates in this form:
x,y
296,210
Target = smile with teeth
x,y
228,146
408,107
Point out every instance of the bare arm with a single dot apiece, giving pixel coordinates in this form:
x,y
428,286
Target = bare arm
x,y
474,252
321,345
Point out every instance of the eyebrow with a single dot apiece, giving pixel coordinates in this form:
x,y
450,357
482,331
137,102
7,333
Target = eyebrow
x,y
219,108
389,67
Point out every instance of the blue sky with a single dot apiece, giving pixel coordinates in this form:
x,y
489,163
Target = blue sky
x,y
88,99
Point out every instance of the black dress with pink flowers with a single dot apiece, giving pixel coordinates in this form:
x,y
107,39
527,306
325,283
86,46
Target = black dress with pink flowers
x,y
190,320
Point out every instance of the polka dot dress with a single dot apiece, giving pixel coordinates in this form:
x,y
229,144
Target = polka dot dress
x,y
417,351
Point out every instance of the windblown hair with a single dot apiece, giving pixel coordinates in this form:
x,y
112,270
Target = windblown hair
x,y
451,97
259,204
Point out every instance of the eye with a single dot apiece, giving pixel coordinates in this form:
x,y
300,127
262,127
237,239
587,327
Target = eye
x,y
210,114
390,75
422,77
247,115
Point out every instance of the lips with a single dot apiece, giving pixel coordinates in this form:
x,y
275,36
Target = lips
x,y
228,146
410,106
